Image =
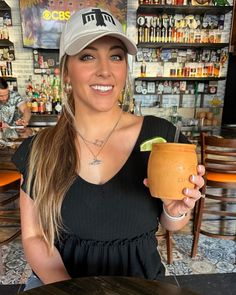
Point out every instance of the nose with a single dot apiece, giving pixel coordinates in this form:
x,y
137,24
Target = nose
x,y
103,68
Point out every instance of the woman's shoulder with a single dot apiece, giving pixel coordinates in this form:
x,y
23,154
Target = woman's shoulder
x,y
26,144
155,126
22,153
151,119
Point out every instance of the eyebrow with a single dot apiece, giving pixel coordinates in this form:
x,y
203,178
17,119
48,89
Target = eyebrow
x,y
112,48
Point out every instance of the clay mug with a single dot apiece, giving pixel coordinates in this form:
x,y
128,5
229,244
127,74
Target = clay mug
x,y
170,166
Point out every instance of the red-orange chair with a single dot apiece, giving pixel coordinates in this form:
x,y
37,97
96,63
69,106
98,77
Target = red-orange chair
x,y
9,211
219,157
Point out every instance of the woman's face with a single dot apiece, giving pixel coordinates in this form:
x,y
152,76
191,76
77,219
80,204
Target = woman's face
x,y
98,74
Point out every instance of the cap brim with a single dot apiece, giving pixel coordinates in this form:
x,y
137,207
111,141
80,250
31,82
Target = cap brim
x,y
87,39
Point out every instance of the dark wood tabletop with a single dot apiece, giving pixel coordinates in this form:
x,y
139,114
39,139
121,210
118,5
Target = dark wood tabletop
x,y
109,286
10,139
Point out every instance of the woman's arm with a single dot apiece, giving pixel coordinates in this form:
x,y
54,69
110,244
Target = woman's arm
x,y
48,267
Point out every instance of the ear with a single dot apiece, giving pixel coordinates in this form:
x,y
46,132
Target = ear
x,y
66,78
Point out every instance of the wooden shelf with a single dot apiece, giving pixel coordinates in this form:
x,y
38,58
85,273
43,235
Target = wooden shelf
x,y
199,128
180,78
5,10
6,43
4,6
10,78
174,9
181,45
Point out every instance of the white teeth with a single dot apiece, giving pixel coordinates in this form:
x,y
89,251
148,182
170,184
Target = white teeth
x,y
102,88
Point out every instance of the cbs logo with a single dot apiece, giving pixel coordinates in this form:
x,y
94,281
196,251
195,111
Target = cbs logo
x,y
56,15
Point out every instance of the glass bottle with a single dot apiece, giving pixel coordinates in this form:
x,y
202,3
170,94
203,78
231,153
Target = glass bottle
x,y
137,108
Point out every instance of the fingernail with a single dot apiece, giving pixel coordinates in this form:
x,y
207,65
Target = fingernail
x,y
192,177
186,191
201,168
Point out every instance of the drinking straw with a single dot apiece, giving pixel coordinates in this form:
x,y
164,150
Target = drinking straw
x,y
177,131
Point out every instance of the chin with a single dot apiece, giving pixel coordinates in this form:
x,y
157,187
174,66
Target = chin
x,y
105,107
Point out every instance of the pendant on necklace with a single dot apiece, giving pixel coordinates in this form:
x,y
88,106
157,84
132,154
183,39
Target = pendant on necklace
x,y
95,162
98,142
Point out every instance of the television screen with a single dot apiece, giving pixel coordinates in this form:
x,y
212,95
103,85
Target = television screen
x,y
42,20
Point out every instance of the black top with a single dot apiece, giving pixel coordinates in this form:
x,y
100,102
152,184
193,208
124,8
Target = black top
x,y
110,228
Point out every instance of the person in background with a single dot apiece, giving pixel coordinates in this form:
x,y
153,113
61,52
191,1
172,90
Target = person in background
x,y
86,209
13,108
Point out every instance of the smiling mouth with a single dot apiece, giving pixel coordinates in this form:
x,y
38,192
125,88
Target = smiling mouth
x,y
102,88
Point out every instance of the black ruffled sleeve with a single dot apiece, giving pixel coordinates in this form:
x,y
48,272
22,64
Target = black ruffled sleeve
x,y
21,157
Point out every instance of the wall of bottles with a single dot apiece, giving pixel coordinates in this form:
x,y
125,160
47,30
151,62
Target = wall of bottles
x,y
180,28
6,47
199,62
43,97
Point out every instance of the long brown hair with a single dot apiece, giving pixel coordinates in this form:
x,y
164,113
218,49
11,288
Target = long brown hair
x,y
53,164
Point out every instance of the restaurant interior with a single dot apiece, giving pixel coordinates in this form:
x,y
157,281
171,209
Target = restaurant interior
x,y
201,257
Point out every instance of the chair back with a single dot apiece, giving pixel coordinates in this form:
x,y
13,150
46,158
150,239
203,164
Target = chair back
x,y
218,154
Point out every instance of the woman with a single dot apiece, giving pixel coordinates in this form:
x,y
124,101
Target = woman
x,y
84,207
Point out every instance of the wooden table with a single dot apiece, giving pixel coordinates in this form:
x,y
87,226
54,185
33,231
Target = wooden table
x,y
9,141
109,286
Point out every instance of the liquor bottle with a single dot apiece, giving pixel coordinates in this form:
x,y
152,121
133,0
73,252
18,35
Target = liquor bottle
x,y
146,31
41,106
58,107
140,34
137,108
186,35
9,68
29,93
174,34
216,69
169,31
48,105
143,69
158,31
34,105
55,85
5,33
221,22
152,34
163,32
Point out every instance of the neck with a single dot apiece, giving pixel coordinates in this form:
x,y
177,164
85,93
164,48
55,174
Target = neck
x,y
96,125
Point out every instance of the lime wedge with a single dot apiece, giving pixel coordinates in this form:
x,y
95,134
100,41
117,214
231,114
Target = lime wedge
x,y
146,146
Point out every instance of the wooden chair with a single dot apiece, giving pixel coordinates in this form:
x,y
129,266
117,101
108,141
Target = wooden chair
x,y
167,235
9,215
169,247
219,157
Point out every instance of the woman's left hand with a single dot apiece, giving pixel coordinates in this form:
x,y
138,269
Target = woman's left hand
x,y
179,207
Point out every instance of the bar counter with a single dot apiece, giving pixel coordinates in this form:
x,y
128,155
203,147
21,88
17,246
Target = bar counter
x,y
42,120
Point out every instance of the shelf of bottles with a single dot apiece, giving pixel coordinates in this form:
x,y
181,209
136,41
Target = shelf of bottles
x,y
181,6
7,54
181,45
182,64
187,41
180,28
44,98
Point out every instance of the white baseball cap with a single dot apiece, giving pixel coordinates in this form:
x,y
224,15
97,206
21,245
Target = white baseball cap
x,y
88,25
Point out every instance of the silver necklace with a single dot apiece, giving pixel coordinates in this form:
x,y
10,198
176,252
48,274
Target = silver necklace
x,y
98,143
